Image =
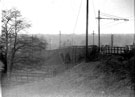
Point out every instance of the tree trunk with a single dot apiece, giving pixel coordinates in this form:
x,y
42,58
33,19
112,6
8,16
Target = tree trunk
x,y
4,61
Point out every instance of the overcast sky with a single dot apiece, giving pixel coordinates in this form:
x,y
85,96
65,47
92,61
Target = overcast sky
x,y
52,16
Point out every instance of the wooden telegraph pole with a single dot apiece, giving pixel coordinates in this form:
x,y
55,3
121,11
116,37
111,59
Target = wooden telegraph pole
x,y
99,18
99,29
134,25
59,39
93,38
134,51
112,40
87,18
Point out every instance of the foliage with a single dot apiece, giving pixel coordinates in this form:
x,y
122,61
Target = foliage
x,y
116,68
30,49
16,47
94,53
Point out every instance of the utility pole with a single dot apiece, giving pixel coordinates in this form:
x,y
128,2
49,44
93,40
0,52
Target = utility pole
x,y
99,18
50,44
134,25
133,79
87,19
99,29
93,38
31,46
59,39
112,40
73,39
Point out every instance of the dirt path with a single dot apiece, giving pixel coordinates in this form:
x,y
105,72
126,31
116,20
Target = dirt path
x,y
80,81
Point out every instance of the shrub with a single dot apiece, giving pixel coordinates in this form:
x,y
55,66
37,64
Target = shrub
x,y
94,53
116,70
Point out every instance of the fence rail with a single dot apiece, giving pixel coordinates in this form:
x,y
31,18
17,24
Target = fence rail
x,y
15,78
114,50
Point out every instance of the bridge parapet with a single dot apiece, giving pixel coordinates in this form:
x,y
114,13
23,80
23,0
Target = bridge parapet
x,y
114,50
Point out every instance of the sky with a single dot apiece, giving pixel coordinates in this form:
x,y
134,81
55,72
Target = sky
x,y
69,16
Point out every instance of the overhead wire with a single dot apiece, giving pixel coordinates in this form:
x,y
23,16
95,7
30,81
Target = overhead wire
x,y
94,10
109,15
114,24
76,22
111,22
131,18
113,16
77,17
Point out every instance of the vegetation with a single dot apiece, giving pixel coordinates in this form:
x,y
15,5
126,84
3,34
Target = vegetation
x,y
16,47
118,68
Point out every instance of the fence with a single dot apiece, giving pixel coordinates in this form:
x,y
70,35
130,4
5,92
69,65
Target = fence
x,y
113,50
74,53
17,78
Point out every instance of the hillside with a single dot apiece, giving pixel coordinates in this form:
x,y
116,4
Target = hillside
x,y
22,73
83,80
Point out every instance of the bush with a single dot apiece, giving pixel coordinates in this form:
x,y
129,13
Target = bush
x,y
115,70
94,53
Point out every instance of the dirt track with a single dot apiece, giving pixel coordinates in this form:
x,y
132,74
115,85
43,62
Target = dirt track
x,y
80,81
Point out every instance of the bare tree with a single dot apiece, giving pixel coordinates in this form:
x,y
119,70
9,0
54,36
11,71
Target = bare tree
x,y
13,44
12,25
29,50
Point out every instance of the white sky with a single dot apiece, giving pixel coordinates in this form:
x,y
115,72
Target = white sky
x,y
51,16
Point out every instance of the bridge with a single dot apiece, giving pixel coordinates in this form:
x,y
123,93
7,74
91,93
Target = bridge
x,y
77,53
114,50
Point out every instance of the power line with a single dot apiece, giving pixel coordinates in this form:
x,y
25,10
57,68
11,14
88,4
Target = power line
x,y
114,24
113,17
99,18
109,23
109,15
76,22
94,8
77,16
